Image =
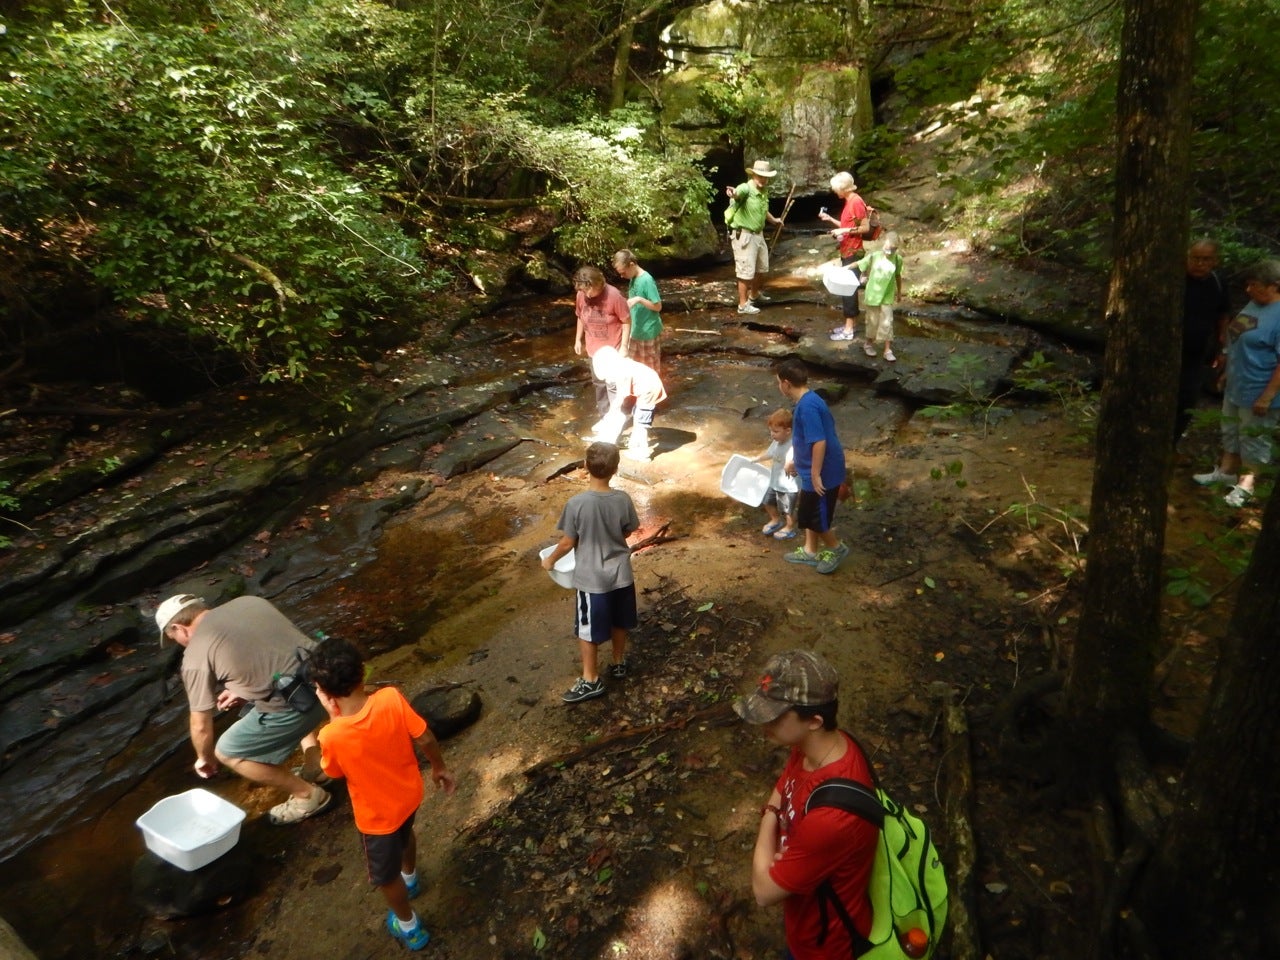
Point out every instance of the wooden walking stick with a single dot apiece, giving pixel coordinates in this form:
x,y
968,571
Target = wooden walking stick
x,y
786,208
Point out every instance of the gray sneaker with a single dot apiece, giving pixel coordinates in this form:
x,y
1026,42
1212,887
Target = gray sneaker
x,y
801,555
748,307
828,560
583,690
1238,496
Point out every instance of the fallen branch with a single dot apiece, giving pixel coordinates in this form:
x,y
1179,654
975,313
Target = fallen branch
x,y
494,204
657,537
709,333
615,740
118,413
966,943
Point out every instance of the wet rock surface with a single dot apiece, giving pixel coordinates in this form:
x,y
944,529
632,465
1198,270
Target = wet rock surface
x,y
291,499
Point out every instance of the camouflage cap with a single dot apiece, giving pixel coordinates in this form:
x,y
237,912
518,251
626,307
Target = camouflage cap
x,y
793,678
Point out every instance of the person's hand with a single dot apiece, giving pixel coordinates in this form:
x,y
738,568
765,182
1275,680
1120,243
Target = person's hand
x,y
444,780
1262,406
818,486
577,347
632,301
730,192
547,562
838,232
789,469
206,768
229,701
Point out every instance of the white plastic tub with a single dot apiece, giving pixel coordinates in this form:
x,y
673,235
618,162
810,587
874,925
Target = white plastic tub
x,y
841,281
191,829
745,480
562,572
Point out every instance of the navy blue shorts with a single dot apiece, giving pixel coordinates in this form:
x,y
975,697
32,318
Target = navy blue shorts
x,y
815,512
597,615
384,852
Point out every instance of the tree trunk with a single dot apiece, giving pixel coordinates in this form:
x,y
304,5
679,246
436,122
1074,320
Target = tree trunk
x,y
621,63
1110,677
1212,888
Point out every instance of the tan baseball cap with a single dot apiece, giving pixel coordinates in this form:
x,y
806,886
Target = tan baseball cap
x,y
793,678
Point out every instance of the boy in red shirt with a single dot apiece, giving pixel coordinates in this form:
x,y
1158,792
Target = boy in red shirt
x,y
370,740
797,853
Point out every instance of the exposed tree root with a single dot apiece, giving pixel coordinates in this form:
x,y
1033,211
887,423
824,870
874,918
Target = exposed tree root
x,y
622,739
966,943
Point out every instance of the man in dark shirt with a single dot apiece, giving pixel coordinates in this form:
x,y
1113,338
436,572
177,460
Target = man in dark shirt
x,y
1205,313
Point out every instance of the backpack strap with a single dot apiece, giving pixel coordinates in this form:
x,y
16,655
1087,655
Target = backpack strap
x,y
849,796
856,798
826,893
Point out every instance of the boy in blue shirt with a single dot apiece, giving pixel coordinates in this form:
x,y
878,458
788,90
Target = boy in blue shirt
x,y
819,463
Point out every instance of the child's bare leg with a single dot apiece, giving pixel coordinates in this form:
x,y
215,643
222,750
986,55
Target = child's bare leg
x,y
774,518
829,540
590,661
618,641
409,859
397,895
811,541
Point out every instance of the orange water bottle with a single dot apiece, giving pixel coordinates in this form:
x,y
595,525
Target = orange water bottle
x,y
915,942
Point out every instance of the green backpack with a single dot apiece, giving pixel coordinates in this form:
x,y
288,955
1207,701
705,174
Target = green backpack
x,y
908,887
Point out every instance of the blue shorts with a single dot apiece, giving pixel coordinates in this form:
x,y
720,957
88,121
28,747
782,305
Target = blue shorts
x,y
815,512
268,737
597,615
383,853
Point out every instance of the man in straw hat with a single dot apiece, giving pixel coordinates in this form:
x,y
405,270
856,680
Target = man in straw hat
x,y
245,652
746,217
802,860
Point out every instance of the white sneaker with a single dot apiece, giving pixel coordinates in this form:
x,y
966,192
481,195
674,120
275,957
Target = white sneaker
x,y
1237,497
1214,476
748,307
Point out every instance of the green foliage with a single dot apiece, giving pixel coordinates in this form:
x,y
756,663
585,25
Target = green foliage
x,y
740,103
1040,376
207,203
1187,583
951,471
607,183
9,504
1236,116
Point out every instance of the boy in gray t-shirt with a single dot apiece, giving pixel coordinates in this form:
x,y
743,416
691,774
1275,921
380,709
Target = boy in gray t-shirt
x,y
596,524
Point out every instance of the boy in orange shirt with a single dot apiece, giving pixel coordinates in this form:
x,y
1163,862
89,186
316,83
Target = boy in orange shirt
x,y
370,740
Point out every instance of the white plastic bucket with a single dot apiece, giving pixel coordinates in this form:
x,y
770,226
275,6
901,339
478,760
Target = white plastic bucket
x,y
841,281
191,829
745,480
562,572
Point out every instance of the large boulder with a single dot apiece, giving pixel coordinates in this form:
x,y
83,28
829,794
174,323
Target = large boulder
x,y
790,64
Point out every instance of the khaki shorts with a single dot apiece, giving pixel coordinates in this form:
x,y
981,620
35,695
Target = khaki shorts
x,y
750,254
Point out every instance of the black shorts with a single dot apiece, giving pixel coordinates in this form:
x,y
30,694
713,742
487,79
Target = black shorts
x,y
596,615
815,512
383,853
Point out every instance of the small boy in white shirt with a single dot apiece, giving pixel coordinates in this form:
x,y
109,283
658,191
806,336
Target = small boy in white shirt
x,y
780,501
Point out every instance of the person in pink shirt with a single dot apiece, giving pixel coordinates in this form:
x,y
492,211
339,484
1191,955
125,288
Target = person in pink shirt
x,y
604,320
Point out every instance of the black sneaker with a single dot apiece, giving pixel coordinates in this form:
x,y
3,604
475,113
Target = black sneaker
x,y
583,690
619,670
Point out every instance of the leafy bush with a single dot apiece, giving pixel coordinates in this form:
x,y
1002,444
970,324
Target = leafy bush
x,y
186,171
608,185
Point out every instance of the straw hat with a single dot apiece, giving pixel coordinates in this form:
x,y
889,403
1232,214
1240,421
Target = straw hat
x,y
762,168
